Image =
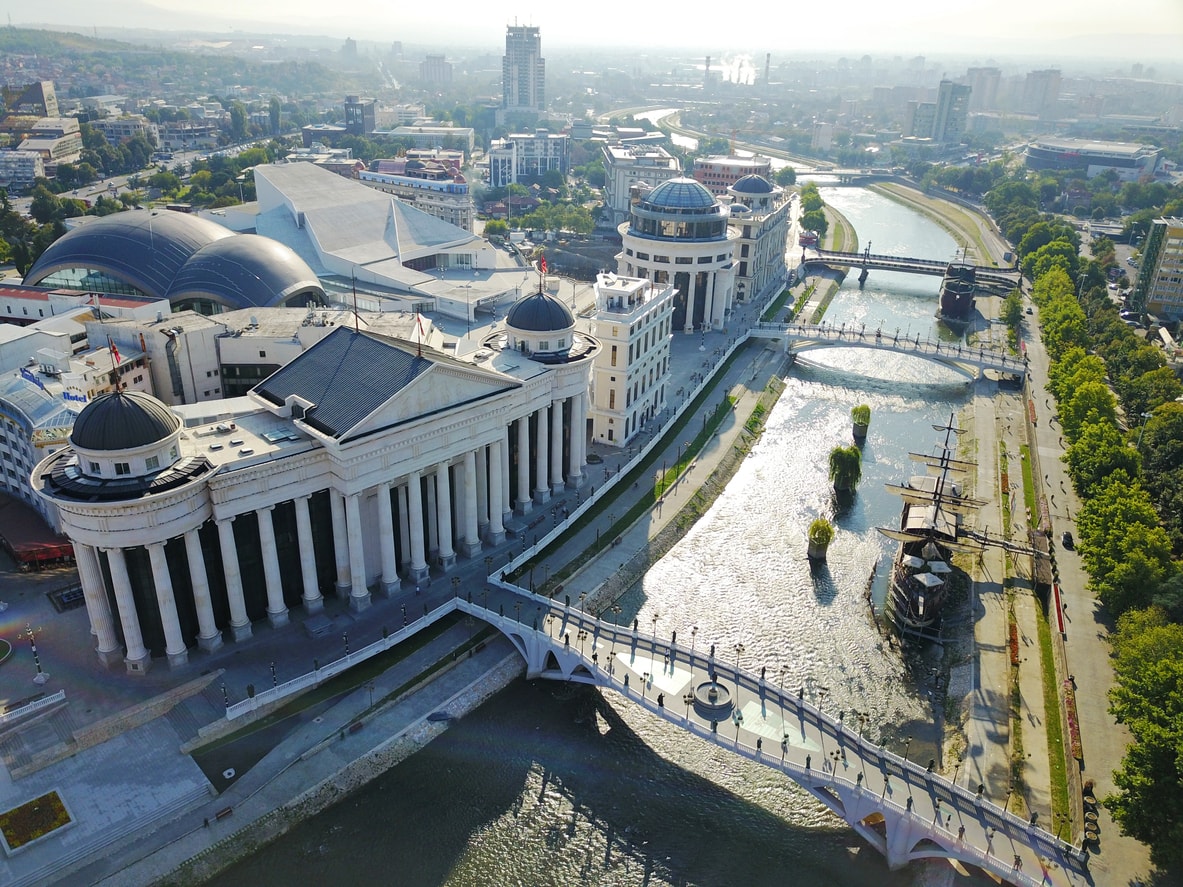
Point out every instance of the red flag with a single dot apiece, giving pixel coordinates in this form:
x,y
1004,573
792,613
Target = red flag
x,y
542,265
114,350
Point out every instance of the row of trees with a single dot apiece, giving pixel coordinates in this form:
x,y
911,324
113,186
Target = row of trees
x,y
813,216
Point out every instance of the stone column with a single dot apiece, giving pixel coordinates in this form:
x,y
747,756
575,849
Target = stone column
x,y
482,489
174,641
433,519
506,497
578,430
542,462
340,543
404,526
418,568
359,595
390,581
137,659
472,533
443,508
496,531
277,611
556,447
208,636
98,608
524,504
240,623
313,601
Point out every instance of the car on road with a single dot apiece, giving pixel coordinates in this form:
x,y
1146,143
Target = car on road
x,y
1067,541
1029,311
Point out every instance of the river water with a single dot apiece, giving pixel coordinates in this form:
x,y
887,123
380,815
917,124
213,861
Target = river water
x,y
541,787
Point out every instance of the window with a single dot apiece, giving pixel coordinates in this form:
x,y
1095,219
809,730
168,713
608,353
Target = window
x,y
122,468
614,355
152,463
704,260
94,468
262,354
544,346
172,453
683,260
612,398
209,374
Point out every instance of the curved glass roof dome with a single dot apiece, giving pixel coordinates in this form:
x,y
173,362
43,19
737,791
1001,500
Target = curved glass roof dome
x,y
752,184
540,313
124,420
151,252
679,194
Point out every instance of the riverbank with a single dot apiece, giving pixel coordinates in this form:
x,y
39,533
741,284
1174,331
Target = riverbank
x,y
840,236
963,225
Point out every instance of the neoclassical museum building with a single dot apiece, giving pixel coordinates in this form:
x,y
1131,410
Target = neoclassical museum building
x,y
364,461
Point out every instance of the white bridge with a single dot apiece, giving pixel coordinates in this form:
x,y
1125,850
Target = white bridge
x,y
903,809
798,337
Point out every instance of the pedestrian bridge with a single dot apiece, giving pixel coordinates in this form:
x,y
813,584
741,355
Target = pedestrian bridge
x,y
800,337
984,275
904,810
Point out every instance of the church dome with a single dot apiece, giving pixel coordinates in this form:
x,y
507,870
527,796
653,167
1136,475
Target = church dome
x,y
126,420
540,313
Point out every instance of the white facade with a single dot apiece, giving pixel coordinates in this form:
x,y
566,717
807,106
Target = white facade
x,y
18,169
447,198
118,129
627,166
760,219
633,322
529,156
391,481
523,71
720,173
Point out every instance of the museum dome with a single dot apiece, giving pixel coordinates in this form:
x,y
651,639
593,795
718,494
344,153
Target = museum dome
x,y
679,194
540,313
125,420
752,184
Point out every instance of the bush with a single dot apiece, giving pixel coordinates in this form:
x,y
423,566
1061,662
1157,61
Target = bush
x,y
821,532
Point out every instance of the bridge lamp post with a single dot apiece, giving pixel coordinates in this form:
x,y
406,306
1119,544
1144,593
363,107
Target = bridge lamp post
x,y
907,748
489,565
688,698
739,649
582,635
644,683
517,606
738,719
654,619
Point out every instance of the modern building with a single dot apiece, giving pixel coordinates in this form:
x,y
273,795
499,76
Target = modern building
x,y
983,85
942,121
364,462
721,172
627,167
1041,91
822,138
523,73
431,135
191,262
360,115
39,99
528,157
435,70
760,218
1130,160
56,139
120,129
633,322
188,136
1159,287
19,169
678,234
428,185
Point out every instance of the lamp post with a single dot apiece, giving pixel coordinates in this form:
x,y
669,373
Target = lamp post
x,y
1142,431
907,748
41,677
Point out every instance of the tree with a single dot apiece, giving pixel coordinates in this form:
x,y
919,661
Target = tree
x,y
815,220
1091,403
786,176
1099,450
274,111
846,467
496,228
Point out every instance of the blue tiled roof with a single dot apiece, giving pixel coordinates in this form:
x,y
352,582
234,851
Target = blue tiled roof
x,y
680,194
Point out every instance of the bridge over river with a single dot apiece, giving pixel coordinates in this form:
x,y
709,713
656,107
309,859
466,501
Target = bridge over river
x,y
986,276
800,337
902,808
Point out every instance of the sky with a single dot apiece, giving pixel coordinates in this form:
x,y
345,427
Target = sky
x,y
1152,29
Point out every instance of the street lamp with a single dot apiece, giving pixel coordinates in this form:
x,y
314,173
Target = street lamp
x,y
1142,430
907,748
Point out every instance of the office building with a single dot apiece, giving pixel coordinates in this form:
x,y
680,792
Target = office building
x,y
721,172
1159,287
359,115
1041,91
628,167
435,70
431,186
760,219
983,85
527,157
523,73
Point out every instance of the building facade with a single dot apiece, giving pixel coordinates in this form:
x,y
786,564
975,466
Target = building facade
x,y
720,173
760,218
19,169
629,166
1130,160
634,324
120,129
1159,287
523,72
429,186
56,139
678,234
528,156
360,115
190,525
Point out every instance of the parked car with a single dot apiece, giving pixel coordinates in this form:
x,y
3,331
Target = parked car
x,y
1067,541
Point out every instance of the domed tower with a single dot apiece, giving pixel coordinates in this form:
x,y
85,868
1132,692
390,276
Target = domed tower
x,y
541,326
760,219
678,233
121,486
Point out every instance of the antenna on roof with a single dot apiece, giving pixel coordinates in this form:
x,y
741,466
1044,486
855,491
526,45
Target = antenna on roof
x,y
355,320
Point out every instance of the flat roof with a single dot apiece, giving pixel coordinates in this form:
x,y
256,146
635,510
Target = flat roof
x,y
1094,146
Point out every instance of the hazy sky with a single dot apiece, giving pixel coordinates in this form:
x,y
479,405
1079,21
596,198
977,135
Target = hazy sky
x,y
1030,27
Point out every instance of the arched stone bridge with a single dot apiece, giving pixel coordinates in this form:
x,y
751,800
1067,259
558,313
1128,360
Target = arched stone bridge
x,y
902,809
970,361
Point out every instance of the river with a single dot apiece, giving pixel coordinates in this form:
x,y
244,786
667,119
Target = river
x,y
544,786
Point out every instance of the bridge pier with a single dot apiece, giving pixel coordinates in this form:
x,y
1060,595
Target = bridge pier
x,y
862,277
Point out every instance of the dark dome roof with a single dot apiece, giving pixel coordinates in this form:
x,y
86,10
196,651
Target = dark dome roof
x,y
679,194
753,184
123,421
150,251
244,271
540,313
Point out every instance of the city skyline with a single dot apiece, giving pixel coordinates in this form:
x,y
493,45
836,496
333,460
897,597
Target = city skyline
x,y
1049,31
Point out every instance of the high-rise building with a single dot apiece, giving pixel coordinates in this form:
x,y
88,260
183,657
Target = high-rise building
x,y
435,69
359,115
523,71
1159,287
630,167
951,112
983,83
1040,92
